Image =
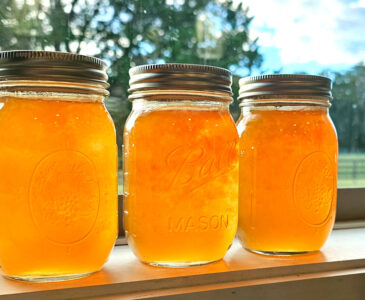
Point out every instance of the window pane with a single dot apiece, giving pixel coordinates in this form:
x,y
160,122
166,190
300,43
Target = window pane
x,y
348,113
323,38
247,37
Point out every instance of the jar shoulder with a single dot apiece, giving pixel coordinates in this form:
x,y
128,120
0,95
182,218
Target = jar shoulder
x,y
286,120
173,119
54,119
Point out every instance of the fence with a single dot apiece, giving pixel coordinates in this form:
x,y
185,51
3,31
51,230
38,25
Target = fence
x,y
351,170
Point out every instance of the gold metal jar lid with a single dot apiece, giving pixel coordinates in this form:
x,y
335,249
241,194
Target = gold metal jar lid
x,y
52,66
172,80
279,86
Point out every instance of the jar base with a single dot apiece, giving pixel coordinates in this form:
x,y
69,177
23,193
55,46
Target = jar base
x,y
168,264
48,278
280,253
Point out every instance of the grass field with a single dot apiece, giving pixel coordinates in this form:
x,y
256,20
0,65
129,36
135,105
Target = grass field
x,y
351,171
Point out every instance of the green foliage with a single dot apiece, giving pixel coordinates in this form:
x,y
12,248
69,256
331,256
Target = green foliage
x,y
348,108
134,32
351,170
20,26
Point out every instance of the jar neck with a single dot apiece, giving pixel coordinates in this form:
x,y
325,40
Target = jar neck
x,y
171,95
53,90
148,105
294,108
286,101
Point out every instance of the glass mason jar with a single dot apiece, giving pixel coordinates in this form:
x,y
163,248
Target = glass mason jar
x,y
180,165
58,166
288,163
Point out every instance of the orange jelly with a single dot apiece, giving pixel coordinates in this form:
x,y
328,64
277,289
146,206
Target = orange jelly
x,y
180,181
58,182
288,170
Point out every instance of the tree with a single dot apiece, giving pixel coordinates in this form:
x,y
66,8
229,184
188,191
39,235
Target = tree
x,y
128,33
348,108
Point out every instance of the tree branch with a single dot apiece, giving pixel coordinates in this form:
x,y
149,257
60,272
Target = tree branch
x,y
86,25
71,14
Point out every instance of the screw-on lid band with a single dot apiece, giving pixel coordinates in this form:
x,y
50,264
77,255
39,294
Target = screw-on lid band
x,y
174,78
52,66
279,85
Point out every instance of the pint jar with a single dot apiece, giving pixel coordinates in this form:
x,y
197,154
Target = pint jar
x,y
288,163
180,165
58,166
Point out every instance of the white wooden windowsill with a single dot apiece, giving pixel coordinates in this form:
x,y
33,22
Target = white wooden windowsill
x,y
336,272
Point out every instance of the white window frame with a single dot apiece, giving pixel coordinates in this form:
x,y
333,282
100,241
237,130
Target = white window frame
x,y
350,204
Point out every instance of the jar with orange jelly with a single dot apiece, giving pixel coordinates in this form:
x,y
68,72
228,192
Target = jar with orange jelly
x,y
58,166
288,164
180,165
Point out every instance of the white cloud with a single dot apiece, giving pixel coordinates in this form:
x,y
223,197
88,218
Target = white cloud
x,y
360,3
323,31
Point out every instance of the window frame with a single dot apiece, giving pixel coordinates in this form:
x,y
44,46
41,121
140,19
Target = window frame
x,y
350,204
337,270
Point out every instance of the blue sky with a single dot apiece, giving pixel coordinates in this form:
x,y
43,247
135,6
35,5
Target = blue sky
x,y
298,35
308,35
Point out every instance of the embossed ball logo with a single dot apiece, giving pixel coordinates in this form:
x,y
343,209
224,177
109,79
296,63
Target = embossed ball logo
x,y
195,165
314,188
64,196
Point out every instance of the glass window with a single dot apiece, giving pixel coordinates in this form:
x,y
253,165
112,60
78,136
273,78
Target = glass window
x,y
324,38
247,37
348,113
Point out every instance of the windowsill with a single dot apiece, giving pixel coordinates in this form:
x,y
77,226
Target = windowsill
x,y
342,257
